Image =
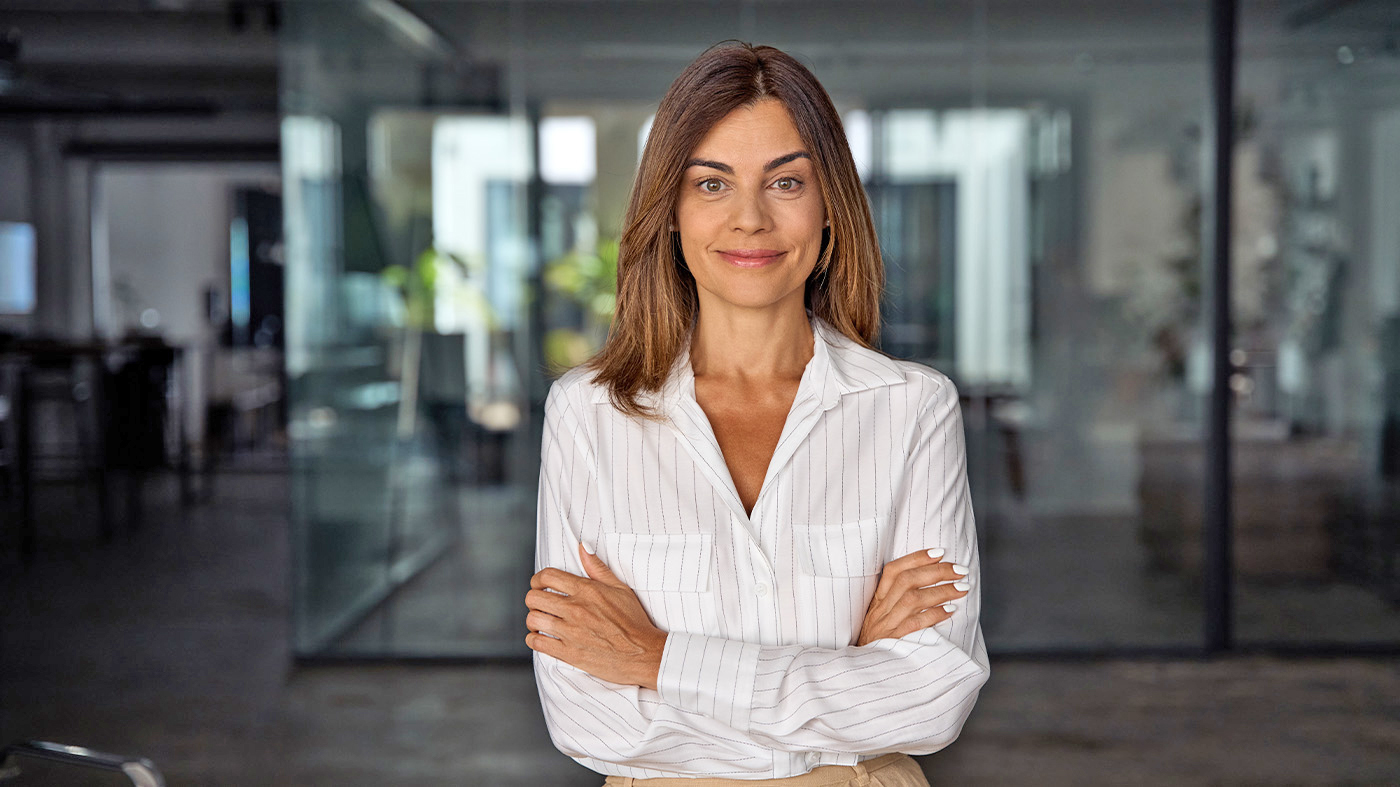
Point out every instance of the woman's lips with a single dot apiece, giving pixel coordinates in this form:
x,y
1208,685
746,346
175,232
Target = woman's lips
x,y
752,258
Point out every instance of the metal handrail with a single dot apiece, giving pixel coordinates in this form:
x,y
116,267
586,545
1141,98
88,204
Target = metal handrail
x,y
141,771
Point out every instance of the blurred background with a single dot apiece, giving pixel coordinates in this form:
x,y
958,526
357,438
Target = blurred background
x,y
283,286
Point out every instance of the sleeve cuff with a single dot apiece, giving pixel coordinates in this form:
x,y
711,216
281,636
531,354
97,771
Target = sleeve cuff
x,y
710,676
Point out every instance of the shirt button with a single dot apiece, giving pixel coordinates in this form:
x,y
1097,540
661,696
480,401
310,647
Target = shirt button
x,y
812,759
761,589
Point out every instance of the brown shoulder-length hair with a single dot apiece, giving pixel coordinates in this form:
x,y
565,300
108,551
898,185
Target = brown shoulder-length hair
x,y
656,297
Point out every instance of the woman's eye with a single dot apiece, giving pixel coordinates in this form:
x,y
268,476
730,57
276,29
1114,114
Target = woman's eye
x,y
711,185
785,184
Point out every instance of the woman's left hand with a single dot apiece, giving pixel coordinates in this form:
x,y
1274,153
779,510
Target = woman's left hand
x,y
597,624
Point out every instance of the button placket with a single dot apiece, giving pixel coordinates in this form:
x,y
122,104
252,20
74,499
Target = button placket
x,y
774,602
764,589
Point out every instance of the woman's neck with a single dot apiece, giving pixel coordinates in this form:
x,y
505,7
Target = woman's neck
x,y
751,344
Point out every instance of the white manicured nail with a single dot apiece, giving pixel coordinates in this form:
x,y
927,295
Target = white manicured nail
x,y
960,570
962,587
587,547
936,554
949,607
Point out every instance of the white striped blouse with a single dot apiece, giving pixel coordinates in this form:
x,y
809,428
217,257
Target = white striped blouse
x,y
760,677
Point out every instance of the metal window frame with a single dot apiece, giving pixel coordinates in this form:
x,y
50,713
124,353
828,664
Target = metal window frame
x,y
1218,522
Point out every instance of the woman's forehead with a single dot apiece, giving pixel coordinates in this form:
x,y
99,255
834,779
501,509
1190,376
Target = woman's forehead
x,y
751,135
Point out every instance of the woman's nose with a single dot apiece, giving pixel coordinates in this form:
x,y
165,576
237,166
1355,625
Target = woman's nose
x,y
750,213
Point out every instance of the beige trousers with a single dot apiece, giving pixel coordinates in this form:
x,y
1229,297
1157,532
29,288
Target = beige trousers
x,y
891,770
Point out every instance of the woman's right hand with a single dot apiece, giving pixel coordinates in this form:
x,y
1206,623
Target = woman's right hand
x,y
915,592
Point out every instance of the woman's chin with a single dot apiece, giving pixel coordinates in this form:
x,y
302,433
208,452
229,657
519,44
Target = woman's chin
x,y
753,299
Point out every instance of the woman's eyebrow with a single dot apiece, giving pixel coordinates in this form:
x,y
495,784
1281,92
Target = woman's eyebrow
x,y
728,170
700,162
781,160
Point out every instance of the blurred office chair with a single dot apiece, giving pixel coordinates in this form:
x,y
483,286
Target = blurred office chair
x,y
56,765
144,427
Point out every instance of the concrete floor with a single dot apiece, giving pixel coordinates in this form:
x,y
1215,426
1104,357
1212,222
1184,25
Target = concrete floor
x,y
172,643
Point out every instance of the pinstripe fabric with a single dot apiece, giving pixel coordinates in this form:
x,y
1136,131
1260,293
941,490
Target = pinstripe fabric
x,y
760,677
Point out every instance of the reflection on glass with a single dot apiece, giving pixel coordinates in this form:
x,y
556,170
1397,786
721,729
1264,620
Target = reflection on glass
x,y
979,158
1317,333
580,274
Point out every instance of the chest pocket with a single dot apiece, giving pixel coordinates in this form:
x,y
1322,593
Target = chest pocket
x,y
847,550
670,563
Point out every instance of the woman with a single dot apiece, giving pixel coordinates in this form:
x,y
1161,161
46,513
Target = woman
x,y
756,547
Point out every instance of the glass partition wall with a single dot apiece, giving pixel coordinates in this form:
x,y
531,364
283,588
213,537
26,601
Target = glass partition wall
x,y
1316,342
455,178
412,347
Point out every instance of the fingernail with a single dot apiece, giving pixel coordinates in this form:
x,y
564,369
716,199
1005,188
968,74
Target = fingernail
x,y
949,607
935,553
587,547
962,587
960,570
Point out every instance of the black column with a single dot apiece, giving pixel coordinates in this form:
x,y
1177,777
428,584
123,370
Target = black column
x,y
1218,191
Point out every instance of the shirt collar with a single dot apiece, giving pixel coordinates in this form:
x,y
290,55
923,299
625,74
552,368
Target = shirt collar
x,y
839,366
846,367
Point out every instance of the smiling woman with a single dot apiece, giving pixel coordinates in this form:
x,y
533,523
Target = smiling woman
x,y
657,295
726,205
756,558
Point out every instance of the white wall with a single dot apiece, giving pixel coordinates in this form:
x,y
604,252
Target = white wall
x,y
163,238
167,239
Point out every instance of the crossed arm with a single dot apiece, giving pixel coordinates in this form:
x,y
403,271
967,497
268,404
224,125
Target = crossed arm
x,y
597,624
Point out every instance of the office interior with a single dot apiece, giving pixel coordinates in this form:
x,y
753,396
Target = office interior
x,y
283,286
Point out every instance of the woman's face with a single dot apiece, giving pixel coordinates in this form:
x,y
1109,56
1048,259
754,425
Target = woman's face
x,y
750,211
